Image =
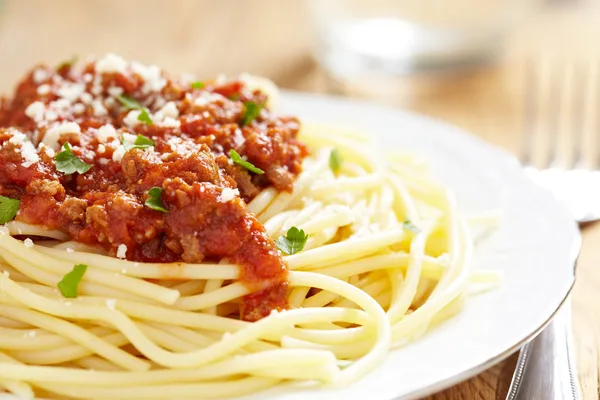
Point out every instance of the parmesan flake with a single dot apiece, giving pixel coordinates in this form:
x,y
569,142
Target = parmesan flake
x,y
122,251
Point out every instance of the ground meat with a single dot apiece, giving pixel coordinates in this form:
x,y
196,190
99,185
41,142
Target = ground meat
x,y
174,139
241,176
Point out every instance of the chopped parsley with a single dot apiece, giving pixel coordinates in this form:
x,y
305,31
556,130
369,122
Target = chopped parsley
x,y
67,63
70,282
8,209
141,142
411,227
144,117
133,104
335,160
198,85
154,200
68,163
293,241
236,158
251,111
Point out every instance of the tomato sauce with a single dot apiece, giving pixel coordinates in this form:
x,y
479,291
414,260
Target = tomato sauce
x,y
188,131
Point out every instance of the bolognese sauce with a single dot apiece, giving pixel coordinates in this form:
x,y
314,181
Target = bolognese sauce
x,y
122,156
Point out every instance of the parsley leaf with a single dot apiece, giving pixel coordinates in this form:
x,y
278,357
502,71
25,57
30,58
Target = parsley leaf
x,y
129,103
251,111
411,227
293,241
198,85
68,163
70,282
335,160
67,63
141,142
133,104
154,201
8,209
236,158
144,117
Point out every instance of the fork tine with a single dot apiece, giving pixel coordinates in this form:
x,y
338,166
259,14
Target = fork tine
x,y
580,113
557,80
531,94
590,103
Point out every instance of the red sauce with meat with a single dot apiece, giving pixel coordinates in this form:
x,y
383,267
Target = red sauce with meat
x,y
192,131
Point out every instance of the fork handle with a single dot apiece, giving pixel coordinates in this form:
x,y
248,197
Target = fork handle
x,y
546,366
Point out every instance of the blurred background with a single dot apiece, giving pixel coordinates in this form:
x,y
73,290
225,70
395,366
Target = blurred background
x,y
433,56
469,62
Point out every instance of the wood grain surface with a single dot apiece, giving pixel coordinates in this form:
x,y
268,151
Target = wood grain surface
x,y
273,38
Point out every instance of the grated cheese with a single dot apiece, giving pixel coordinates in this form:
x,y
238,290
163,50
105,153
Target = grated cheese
x,y
35,111
169,110
43,89
25,147
122,251
70,91
86,98
28,243
51,115
98,108
152,76
60,104
53,134
115,91
105,132
40,75
111,63
170,123
131,119
119,153
228,194
78,108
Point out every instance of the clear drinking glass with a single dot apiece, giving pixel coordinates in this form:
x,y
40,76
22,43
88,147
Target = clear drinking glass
x,y
357,38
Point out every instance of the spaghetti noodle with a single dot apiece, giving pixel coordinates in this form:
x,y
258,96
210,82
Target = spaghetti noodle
x,y
379,255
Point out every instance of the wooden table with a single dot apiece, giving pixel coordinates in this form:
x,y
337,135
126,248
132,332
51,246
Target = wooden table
x,y
272,38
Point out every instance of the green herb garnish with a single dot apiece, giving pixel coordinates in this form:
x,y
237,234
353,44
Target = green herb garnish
x,y
411,227
251,111
70,282
236,158
141,142
67,63
335,160
8,209
198,85
144,117
129,103
68,163
154,200
133,104
293,241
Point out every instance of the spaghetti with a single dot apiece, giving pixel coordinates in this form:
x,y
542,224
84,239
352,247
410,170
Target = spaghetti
x,y
373,254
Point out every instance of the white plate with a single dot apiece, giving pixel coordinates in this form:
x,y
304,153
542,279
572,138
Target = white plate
x,y
535,247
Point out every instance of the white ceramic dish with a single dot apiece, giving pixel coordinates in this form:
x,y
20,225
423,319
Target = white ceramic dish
x,y
535,247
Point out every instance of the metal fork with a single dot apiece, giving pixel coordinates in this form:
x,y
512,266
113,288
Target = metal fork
x,y
568,91
546,368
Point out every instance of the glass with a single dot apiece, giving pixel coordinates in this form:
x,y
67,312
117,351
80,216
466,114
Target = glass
x,y
355,38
